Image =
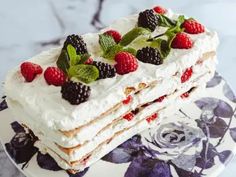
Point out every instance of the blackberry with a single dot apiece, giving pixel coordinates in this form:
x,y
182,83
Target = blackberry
x,y
75,93
77,42
105,70
149,55
148,19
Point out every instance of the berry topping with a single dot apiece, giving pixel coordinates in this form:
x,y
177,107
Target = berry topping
x,y
75,93
30,70
127,100
126,63
89,61
149,55
148,19
151,118
54,76
115,34
159,10
185,95
193,27
160,99
186,75
129,116
182,41
105,70
77,42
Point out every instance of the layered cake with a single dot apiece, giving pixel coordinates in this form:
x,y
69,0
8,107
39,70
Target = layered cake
x,y
85,98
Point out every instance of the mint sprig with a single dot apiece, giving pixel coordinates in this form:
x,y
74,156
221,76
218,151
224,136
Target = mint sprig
x,y
164,21
110,48
73,65
106,42
63,61
164,44
84,73
133,34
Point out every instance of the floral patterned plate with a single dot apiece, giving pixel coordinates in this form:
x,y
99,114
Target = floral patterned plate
x,y
197,141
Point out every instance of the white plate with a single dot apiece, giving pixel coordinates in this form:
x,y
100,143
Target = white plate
x,y
197,141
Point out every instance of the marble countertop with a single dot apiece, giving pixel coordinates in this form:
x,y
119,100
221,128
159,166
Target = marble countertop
x,y
30,26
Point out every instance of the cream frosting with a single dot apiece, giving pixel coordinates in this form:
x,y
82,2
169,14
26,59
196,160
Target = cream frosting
x,y
43,108
46,107
98,154
148,95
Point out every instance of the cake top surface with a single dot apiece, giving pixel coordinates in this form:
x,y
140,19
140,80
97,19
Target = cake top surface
x,y
44,102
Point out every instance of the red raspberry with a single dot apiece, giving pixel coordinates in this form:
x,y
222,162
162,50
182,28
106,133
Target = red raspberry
x,y
193,27
151,118
126,63
30,70
115,34
129,116
159,10
89,61
54,76
182,41
184,95
186,75
160,99
127,100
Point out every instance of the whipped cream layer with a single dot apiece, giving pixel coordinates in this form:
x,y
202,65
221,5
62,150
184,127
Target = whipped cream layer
x,y
81,151
89,132
44,104
106,148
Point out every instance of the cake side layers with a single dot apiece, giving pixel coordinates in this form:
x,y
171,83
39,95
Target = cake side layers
x,y
44,103
64,141
103,150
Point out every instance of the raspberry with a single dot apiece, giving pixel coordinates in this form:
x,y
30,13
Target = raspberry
x,y
148,19
77,42
185,95
126,63
75,93
159,10
89,61
186,75
182,41
54,76
105,70
115,34
129,116
151,118
149,55
193,27
30,70
160,99
127,100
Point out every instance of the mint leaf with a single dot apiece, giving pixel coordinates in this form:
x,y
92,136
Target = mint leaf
x,y
164,21
84,58
112,51
173,30
165,45
156,43
72,54
181,20
106,42
84,73
165,48
63,61
132,35
130,50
